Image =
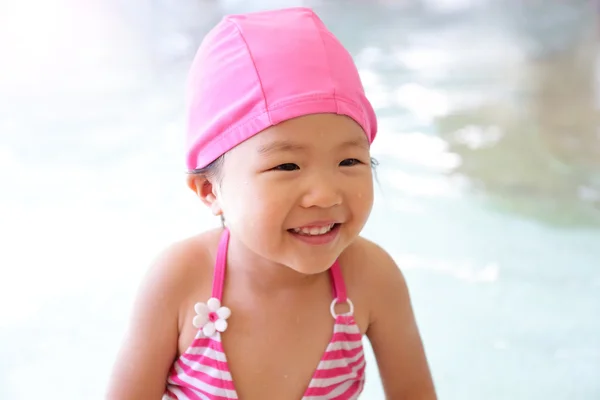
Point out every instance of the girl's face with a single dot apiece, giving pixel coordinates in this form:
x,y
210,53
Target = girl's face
x,y
300,192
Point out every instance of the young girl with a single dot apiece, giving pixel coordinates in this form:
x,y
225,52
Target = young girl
x,y
275,304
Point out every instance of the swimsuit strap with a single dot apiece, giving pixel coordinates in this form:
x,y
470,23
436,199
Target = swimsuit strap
x,y
220,264
339,287
339,294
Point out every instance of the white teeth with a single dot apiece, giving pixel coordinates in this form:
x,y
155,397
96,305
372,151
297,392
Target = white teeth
x,y
314,231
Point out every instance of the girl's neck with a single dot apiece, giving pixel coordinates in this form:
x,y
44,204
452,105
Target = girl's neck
x,y
262,274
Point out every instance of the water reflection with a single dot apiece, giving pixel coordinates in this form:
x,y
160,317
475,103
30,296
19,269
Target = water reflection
x,y
518,107
538,156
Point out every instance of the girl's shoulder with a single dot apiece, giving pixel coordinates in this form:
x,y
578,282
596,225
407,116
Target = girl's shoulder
x,y
189,253
376,283
184,266
368,269
365,259
169,284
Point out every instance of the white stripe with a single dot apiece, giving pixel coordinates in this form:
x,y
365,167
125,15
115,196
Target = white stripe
x,y
335,392
324,382
216,337
356,393
362,386
344,345
343,328
207,369
207,352
176,392
181,396
342,362
340,389
197,383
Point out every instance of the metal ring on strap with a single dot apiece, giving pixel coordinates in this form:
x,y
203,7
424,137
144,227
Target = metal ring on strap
x,y
332,308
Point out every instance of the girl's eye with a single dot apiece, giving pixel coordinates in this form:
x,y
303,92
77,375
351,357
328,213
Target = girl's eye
x,y
349,162
286,167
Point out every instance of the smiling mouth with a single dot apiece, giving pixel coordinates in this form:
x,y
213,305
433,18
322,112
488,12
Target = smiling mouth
x,y
314,231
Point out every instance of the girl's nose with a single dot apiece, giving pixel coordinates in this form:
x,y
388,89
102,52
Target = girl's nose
x,y
322,191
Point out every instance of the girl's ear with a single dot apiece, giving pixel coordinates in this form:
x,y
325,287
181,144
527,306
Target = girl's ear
x,y
206,191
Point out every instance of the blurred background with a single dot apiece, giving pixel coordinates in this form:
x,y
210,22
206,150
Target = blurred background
x,y
488,195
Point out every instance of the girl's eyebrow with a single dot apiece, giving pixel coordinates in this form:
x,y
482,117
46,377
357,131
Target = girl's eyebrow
x,y
362,142
289,146
280,146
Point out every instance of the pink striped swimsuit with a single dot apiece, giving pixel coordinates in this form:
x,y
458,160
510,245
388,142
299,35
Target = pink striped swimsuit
x,y
202,373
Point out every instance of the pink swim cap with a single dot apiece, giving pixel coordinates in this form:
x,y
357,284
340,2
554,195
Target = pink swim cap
x,y
256,70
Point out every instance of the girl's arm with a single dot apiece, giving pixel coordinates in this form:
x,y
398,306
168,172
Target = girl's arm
x,y
394,335
150,346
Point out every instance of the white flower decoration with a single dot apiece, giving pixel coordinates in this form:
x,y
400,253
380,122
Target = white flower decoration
x,y
211,317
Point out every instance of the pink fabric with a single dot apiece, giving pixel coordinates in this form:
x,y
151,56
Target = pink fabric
x,y
220,263
256,70
202,372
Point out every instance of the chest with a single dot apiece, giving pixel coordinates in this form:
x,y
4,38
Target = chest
x,y
279,348
277,351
